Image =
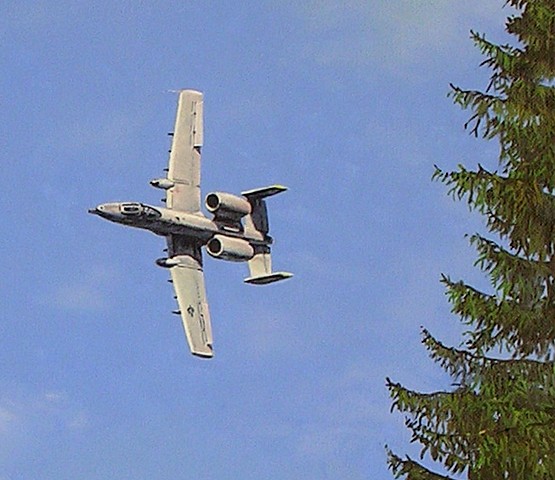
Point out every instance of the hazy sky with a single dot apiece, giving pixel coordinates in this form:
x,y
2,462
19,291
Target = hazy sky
x,y
342,101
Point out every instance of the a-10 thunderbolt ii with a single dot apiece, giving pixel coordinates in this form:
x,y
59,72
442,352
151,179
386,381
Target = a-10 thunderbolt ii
x,y
238,230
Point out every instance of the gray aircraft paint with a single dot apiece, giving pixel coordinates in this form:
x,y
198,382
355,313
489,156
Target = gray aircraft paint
x,y
238,230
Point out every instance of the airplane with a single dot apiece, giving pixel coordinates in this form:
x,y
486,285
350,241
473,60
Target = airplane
x,y
237,232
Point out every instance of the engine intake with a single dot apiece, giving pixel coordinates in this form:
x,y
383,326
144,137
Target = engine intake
x,y
228,248
226,206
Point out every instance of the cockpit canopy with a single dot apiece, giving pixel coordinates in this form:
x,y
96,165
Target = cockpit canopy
x,y
131,209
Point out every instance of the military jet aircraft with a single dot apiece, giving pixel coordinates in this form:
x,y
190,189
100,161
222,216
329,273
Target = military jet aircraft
x,y
238,230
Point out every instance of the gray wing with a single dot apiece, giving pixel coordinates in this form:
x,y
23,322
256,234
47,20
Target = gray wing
x,y
184,165
188,282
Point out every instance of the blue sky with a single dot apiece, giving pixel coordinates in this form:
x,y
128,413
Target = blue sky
x,y
343,102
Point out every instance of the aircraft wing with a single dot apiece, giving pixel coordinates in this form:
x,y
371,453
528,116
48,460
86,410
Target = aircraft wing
x,y
188,282
184,164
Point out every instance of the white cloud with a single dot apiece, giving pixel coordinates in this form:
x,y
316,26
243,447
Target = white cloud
x,y
7,419
314,265
268,335
323,440
86,292
347,417
26,16
79,421
27,420
86,297
21,415
54,397
98,130
395,36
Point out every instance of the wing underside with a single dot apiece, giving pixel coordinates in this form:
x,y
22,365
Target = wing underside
x,y
184,162
188,282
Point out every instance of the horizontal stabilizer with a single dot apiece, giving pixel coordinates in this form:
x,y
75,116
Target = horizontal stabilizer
x,y
264,192
269,278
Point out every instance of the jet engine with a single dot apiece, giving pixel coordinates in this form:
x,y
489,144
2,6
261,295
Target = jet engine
x,y
228,248
226,206
167,262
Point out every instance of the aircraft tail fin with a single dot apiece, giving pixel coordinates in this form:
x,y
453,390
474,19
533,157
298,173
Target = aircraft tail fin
x,y
260,266
258,218
264,191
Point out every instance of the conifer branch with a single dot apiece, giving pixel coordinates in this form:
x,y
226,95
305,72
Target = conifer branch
x,y
412,469
497,420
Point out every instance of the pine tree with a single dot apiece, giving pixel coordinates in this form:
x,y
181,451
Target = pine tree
x,y
497,420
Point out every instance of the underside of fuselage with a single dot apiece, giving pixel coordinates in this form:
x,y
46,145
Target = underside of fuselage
x,y
164,222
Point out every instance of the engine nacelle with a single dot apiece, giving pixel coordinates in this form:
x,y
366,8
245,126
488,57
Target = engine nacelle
x,y
228,248
167,262
227,206
163,183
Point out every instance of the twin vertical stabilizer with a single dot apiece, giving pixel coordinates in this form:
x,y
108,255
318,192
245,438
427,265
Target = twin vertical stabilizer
x,y
260,265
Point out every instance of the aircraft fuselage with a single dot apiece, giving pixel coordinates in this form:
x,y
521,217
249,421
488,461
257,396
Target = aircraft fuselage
x,y
164,222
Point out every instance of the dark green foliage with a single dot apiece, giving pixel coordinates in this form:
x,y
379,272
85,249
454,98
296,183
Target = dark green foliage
x,y
498,419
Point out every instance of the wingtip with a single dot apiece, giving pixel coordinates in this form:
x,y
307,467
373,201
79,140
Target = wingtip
x,y
184,90
205,355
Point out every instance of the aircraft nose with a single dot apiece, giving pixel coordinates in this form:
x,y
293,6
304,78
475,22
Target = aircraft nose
x,y
97,210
